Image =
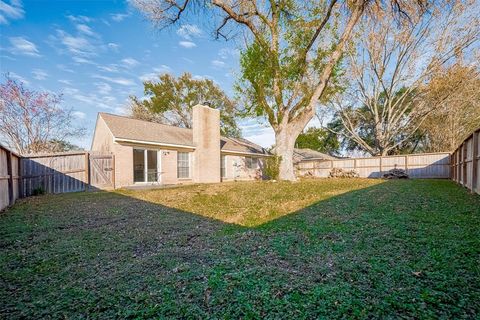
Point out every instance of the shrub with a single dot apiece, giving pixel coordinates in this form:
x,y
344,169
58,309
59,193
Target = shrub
x,y
396,174
342,173
38,191
272,167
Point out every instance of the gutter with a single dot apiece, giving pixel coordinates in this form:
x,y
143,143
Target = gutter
x,y
161,144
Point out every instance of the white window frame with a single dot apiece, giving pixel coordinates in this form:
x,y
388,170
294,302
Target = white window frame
x,y
145,165
254,163
223,161
189,166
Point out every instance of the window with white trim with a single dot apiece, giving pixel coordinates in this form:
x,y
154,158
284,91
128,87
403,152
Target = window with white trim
x,y
183,165
223,165
251,163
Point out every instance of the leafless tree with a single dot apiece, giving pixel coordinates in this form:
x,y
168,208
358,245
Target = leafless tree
x,y
389,68
458,115
31,121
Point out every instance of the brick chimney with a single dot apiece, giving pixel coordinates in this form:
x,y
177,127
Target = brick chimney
x,y
206,138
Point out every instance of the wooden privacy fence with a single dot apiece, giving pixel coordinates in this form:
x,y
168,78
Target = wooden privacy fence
x,y
466,163
53,173
9,177
423,165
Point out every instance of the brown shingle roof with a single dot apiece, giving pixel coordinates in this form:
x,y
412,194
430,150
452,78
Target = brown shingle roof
x,y
309,154
134,129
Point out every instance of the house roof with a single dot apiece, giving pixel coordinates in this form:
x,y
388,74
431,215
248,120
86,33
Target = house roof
x,y
309,154
140,130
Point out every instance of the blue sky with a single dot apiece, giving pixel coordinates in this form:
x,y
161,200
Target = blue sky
x,y
97,53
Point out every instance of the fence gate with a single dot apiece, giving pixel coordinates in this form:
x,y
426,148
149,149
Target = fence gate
x,y
102,171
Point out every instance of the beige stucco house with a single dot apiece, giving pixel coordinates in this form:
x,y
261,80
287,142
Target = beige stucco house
x,y
147,152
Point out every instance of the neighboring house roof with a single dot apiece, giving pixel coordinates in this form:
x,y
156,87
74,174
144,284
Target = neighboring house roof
x,y
309,154
140,130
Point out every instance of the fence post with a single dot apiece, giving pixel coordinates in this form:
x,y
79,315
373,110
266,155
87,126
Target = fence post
x,y
381,167
464,153
475,157
87,171
406,164
20,178
113,171
10,177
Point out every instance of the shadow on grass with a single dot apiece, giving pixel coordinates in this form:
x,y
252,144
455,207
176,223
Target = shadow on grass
x,y
401,248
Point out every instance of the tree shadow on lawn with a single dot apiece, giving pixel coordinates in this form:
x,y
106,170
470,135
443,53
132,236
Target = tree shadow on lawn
x,y
397,249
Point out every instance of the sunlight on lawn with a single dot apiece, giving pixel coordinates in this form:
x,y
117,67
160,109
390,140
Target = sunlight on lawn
x,y
249,203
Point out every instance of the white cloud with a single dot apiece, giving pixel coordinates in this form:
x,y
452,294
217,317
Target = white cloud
x,y
76,45
109,68
152,76
113,46
64,68
39,74
11,11
19,78
103,88
82,46
79,114
118,17
218,63
205,76
103,102
226,53
130,62
81,19
83,28
263,136
187,44
70,91
120,81
83,60
22,46
189,31
65,81
123,110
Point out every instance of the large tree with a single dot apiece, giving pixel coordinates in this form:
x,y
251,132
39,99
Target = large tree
x,y
318,139
388,69
293,49
458,115
33,121
170,100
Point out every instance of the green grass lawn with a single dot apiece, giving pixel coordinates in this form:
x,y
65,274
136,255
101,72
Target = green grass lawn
x,y
256,250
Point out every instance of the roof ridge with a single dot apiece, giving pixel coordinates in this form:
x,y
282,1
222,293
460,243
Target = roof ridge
x,y
141,120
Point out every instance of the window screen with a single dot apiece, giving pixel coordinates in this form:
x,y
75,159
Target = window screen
x,y
183,165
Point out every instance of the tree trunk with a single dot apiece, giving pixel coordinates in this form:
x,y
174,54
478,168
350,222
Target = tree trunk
x,y
284,145
285,137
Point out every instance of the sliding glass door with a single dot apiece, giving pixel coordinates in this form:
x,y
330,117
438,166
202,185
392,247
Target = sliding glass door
x,y
145,165
138,165
152,172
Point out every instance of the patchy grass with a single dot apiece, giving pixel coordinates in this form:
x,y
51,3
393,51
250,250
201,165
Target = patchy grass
x,y
397,249
249,203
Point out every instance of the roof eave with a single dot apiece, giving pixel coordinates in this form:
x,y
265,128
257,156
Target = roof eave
x,y
153,143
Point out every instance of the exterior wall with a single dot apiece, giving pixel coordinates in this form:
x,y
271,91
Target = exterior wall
x,y
236,169
123,165
169,167
206,137
102,138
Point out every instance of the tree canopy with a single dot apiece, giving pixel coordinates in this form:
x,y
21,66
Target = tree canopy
x,y
318,139
170,100
33,121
